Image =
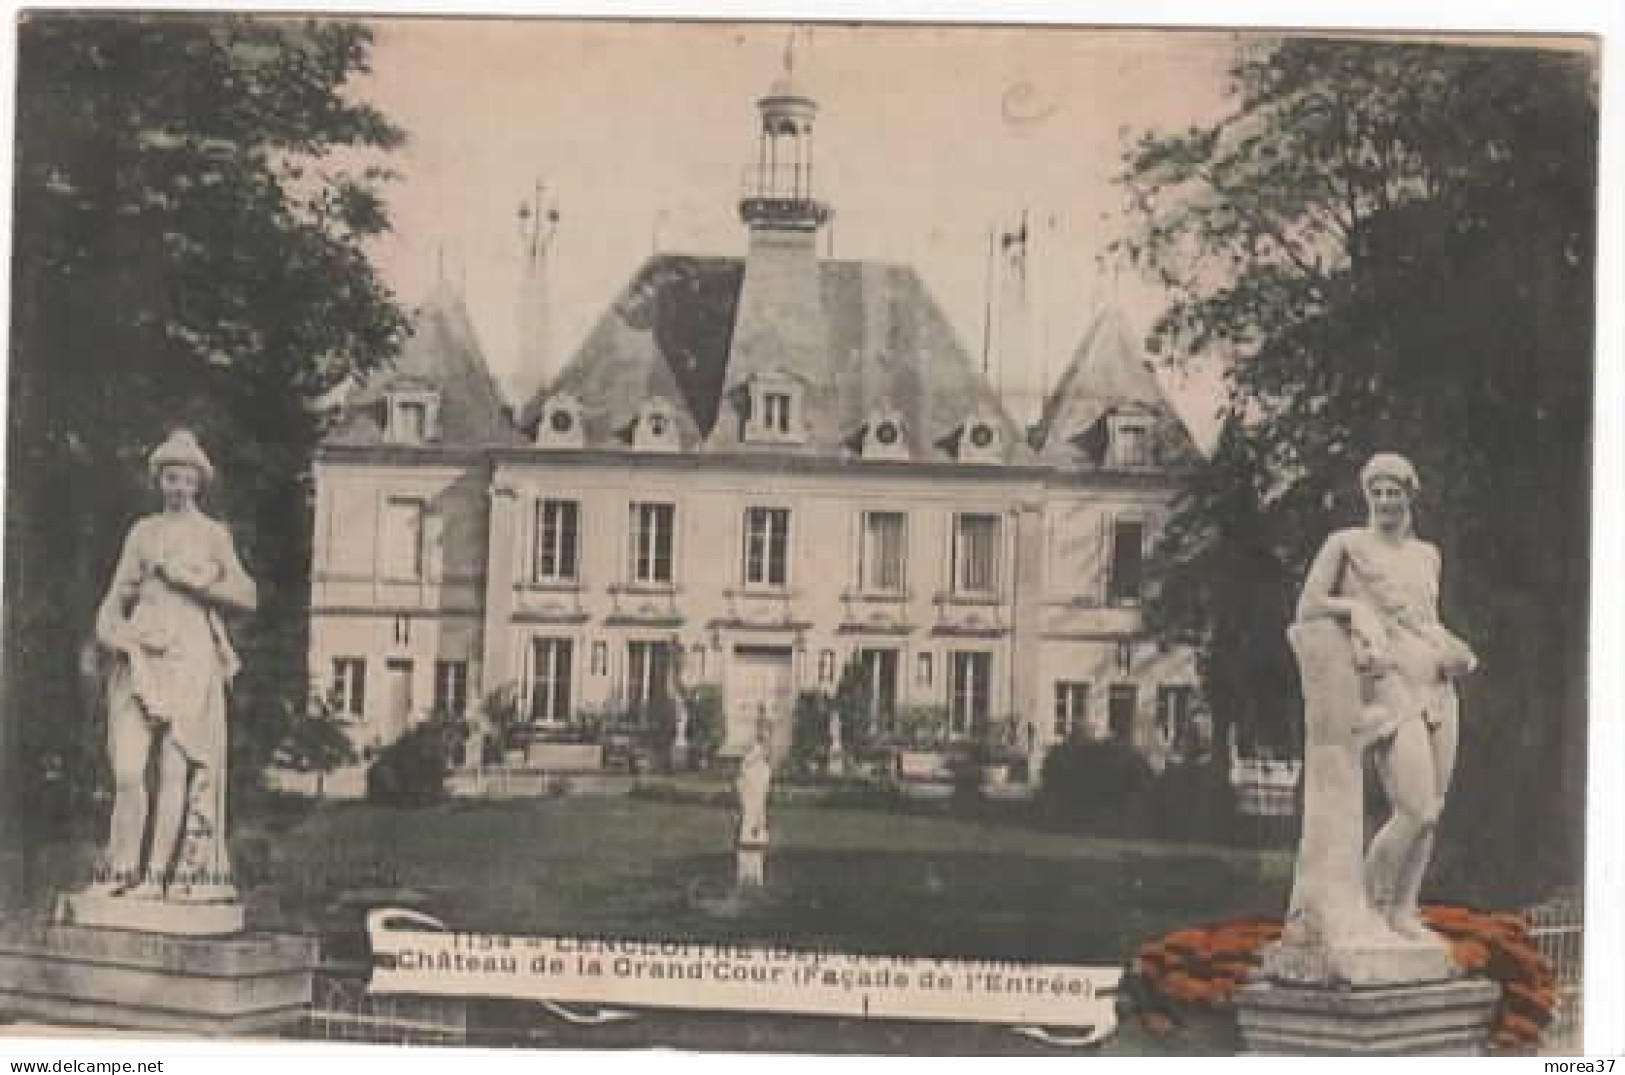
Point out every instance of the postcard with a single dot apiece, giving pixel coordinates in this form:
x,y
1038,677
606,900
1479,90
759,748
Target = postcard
x,y
799,537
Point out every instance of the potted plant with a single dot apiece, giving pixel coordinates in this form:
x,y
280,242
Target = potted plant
x,y
1000,745
922,732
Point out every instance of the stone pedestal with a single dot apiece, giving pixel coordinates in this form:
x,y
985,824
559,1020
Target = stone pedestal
x,y
247,983
150,916
1358,964
751,862
1450,1018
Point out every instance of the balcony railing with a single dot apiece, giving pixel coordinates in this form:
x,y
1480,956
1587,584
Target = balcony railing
x,y
778,182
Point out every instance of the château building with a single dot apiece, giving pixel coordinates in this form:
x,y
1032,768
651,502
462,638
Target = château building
x,y
768,467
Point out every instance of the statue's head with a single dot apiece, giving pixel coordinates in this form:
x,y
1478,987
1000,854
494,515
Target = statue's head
x,y
180,469
1390,485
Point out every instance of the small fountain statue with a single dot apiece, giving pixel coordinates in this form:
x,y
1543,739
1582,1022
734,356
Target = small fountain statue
x,y
751,786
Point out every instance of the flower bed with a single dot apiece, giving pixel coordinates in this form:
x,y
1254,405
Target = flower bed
x,y
1203,966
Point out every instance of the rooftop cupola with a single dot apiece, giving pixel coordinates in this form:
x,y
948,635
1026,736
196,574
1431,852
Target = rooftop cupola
x,y
777,191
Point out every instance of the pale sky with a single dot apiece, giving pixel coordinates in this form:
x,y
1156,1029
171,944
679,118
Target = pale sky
x,y
925,139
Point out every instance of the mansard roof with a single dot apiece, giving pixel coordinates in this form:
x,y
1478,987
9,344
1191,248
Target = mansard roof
x,y
886,344
442,355
1109,374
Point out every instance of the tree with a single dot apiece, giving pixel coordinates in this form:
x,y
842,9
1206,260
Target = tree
x,y
193,197
1392,246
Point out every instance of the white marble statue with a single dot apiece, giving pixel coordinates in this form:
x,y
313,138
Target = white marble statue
x,y
166,692
1378,672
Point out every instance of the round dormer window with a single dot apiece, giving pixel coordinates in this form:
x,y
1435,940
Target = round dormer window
x,y
562,421
981,435
886,433
657,425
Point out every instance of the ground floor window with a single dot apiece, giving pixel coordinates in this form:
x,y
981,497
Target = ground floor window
x,y
969,693
648,680
450,688
550,667
1071,711
348,693
879,679
1176,717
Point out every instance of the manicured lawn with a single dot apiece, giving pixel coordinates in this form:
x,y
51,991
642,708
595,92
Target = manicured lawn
x,y
862,880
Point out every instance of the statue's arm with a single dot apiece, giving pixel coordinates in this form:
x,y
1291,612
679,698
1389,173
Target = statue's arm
x,y
1319,598
1456,657
112,617
234,590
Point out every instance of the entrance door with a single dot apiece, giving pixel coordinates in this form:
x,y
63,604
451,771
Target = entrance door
x,y
398,693
759,685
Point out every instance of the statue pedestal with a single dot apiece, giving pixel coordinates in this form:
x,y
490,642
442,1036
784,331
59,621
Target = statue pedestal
x,y
1358,966
150,916
247,983
1450,1018
751,865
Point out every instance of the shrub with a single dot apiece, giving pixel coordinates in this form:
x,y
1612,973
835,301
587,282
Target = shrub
x,y
852,702
1101,785
1194,801
705,725
313,742
412,770
809,731
965,761
922,727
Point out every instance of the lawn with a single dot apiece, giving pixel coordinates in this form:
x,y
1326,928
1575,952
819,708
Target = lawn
x,y
862,880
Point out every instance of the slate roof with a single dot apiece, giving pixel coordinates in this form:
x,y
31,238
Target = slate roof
x,y
1109,374
442,353
888,346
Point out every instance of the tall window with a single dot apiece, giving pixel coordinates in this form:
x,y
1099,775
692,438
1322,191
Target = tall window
x,y
556,538
1122,703
648,672
767,546
403,538
451,688
776,411
883,563
976,554
348,695
652,526
969,691
550,660
880,686
1128,562
1174,716
1071,710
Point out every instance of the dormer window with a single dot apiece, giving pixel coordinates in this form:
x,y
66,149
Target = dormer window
x,y
655,429
884,436
561,425
412,416
981,440
775,409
